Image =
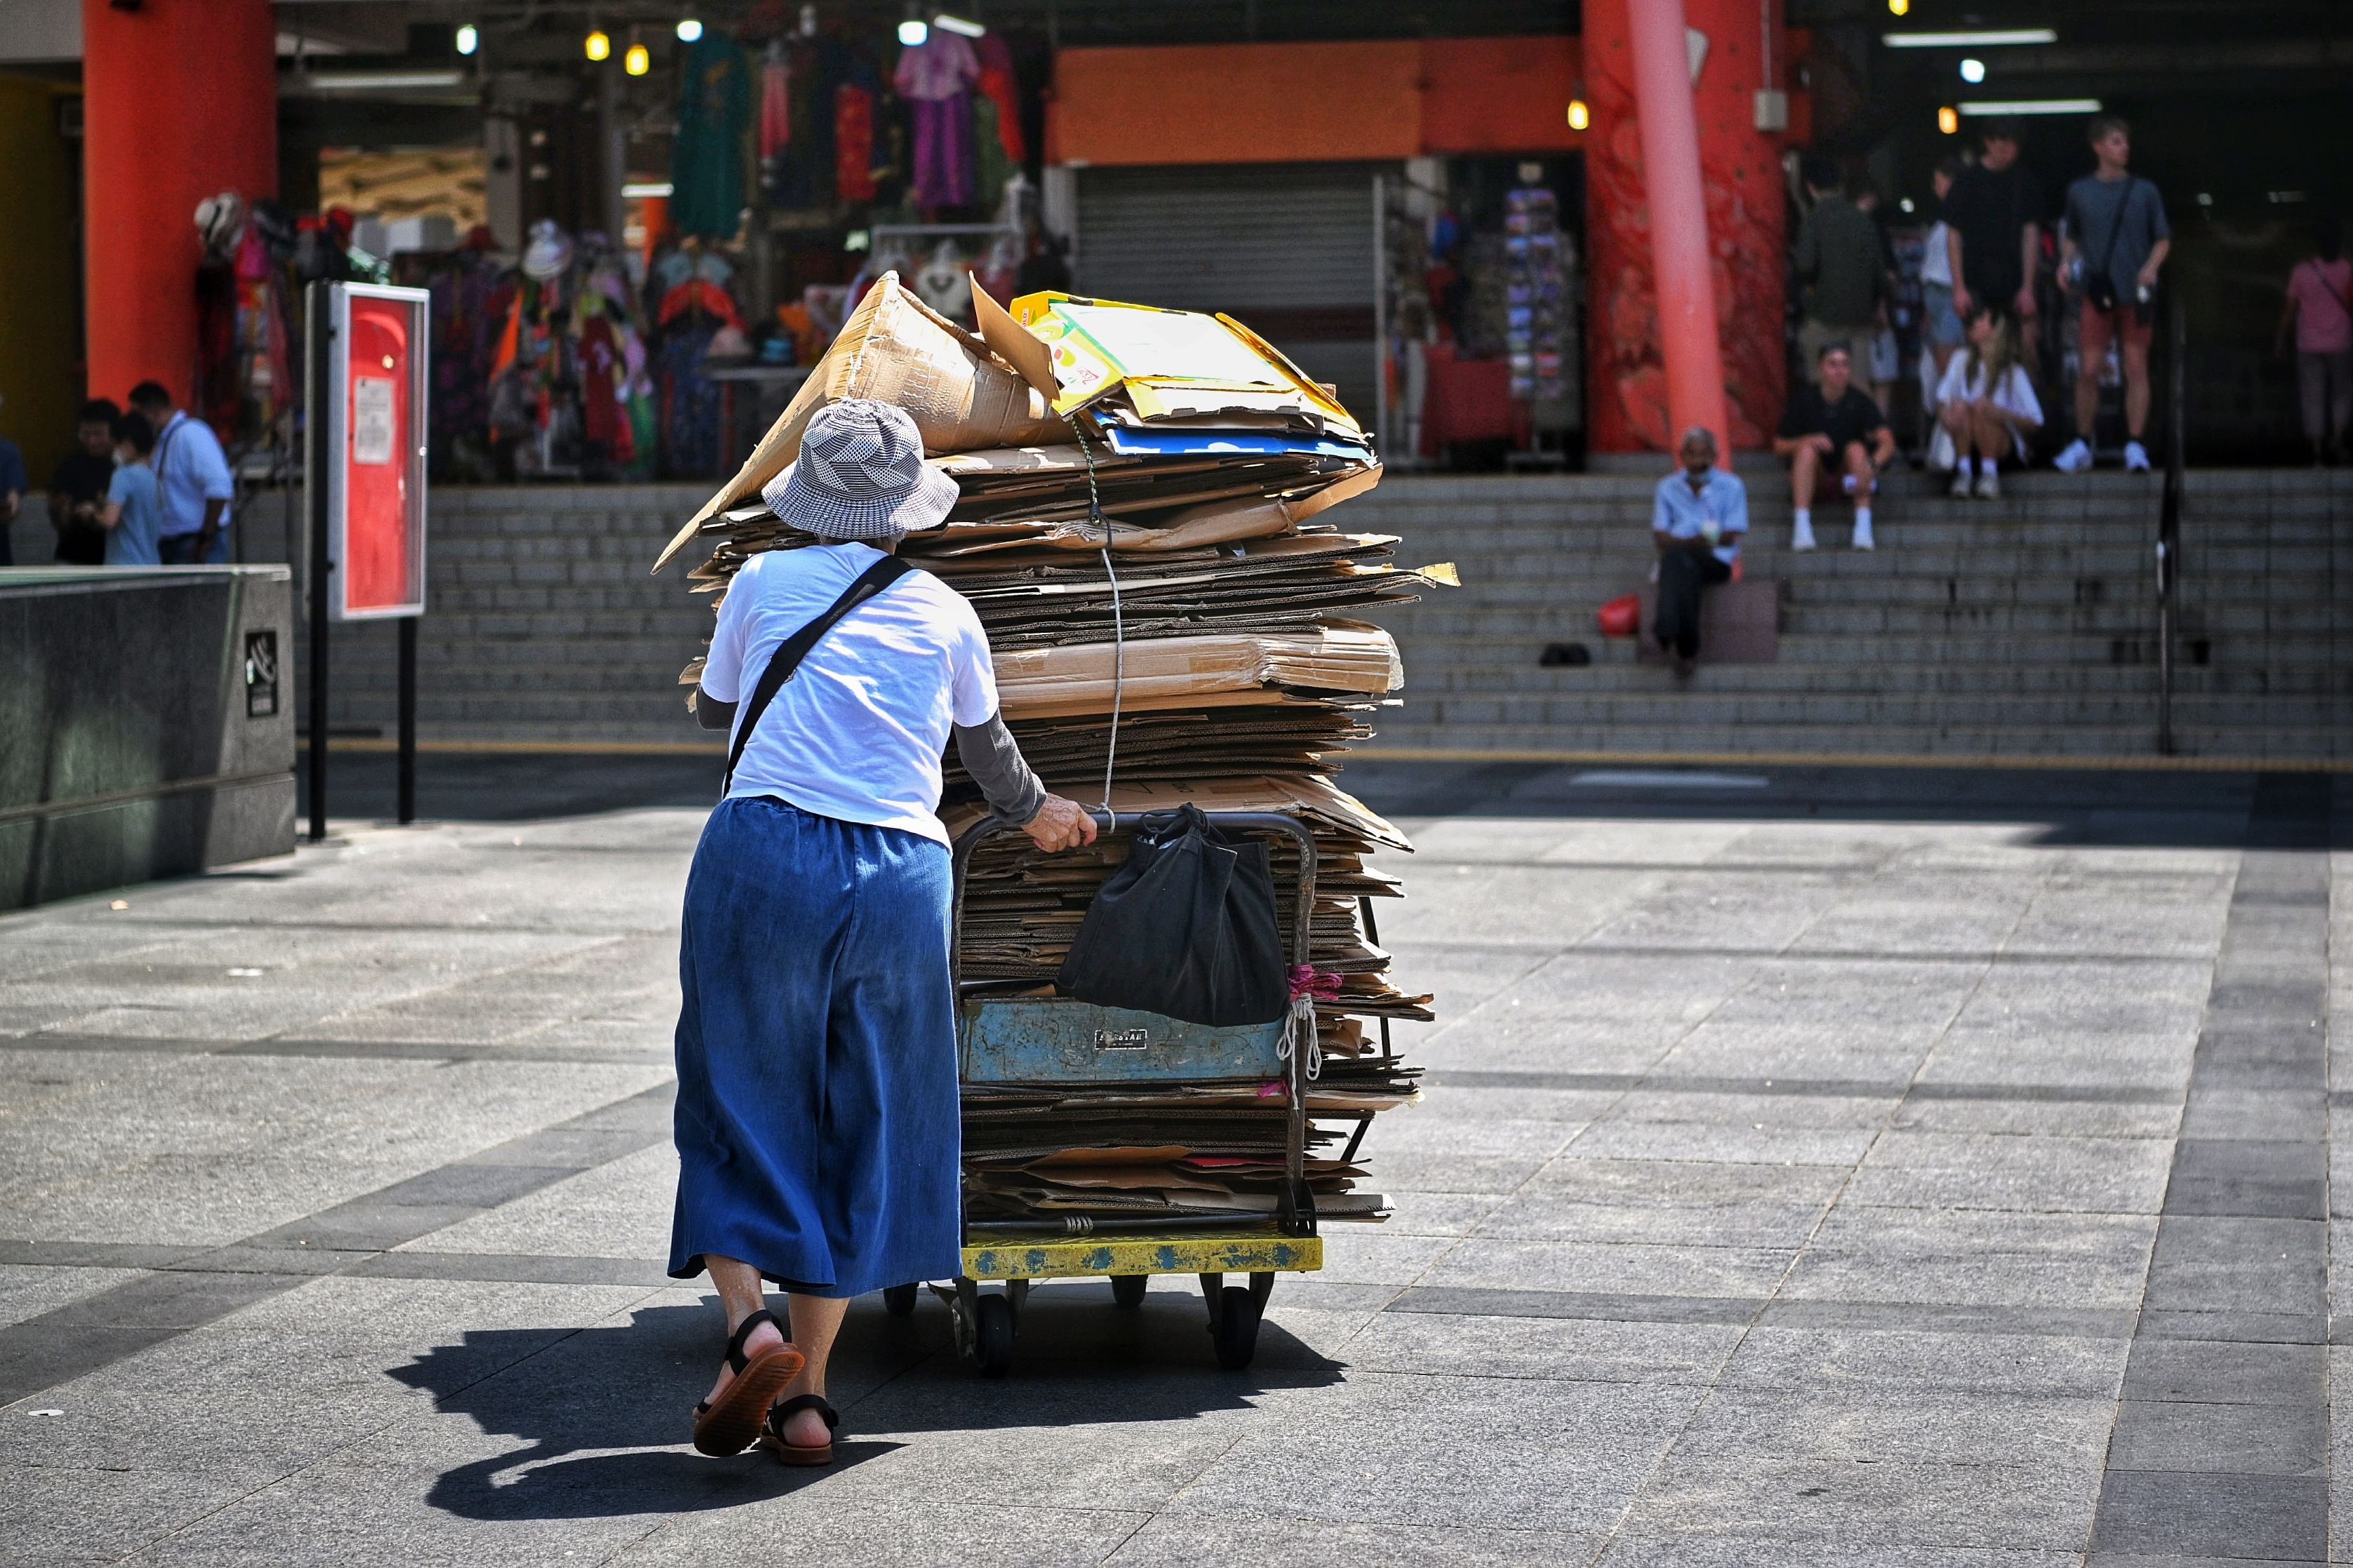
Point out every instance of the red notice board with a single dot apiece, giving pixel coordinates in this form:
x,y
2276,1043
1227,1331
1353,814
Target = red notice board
x,y
376,380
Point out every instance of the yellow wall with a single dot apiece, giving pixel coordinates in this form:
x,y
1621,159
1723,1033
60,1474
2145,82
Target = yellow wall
x,y
41,262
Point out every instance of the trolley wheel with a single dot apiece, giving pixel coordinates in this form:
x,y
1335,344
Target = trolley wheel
x,y
992,1350
1127,1289
1235,1332
899,1300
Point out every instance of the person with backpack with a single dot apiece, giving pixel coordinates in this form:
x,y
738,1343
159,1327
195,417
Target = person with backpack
x,y
2114,241
2320,306
817,1129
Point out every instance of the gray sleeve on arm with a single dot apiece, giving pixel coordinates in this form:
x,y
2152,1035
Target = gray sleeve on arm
x,y
995,761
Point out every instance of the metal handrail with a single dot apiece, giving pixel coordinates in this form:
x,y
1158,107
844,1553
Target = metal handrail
x,y
2168,519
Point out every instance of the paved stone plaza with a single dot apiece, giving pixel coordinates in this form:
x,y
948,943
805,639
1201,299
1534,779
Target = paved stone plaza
x,y
1816,1168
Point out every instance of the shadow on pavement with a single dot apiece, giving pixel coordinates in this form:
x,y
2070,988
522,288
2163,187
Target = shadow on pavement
x,y
606,1410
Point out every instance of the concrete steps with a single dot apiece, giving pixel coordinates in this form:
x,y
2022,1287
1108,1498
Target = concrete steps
x,y
2018,629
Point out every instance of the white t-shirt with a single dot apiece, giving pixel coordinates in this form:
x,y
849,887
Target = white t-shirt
x,y
857,734
2014,395
1935,255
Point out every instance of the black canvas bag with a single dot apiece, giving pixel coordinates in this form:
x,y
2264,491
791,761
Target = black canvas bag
x,y
1185,929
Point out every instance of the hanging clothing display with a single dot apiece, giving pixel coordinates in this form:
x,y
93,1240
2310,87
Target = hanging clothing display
x,y
706,166
775,104
935,77
695,306
1000,85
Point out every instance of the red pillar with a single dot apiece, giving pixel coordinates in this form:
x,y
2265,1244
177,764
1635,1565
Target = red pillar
x,y
1646,384
179,102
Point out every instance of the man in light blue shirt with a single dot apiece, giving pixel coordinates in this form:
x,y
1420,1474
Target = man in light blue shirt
x,y
192,477
1697,523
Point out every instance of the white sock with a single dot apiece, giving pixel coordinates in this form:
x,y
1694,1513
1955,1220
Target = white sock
x,y
1862,520
1967,466
1805,519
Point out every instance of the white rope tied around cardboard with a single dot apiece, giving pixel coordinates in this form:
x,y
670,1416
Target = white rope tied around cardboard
x,y
1118,621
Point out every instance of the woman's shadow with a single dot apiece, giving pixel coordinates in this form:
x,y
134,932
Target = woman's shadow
x,y
617,1399
587,1392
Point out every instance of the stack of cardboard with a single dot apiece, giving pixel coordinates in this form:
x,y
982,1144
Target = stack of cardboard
x,y
1141,531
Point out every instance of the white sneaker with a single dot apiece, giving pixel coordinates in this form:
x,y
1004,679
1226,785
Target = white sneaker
x,y
2135,457
1862,536
1989,487
1801,537
2075,458
1960,491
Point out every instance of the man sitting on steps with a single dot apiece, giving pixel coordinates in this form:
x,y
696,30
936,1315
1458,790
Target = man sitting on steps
x,y
1837,442
1697,522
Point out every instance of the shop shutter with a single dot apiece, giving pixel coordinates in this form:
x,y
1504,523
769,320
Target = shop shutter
x,y
1286,248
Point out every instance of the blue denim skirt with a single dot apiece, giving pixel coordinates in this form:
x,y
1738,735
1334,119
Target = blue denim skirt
x,y
817,1122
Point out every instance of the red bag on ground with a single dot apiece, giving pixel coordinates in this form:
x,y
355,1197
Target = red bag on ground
x,y
1621,617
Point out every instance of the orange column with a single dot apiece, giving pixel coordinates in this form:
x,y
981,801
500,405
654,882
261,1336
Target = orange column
x,y
1684,224
179,102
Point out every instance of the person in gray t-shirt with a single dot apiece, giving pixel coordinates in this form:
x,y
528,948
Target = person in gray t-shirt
x,y
2113,244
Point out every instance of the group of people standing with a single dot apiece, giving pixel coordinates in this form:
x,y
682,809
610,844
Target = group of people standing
x,y
1981,315
149,486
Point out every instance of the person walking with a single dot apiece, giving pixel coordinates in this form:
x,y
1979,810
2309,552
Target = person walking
x,y
1994,230
1837,442
1697,519
1839,259
816,1119
1987,405
192,475
78,486
2113,242
2320,306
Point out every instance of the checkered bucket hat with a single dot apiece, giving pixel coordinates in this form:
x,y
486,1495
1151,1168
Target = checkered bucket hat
x,y
861,474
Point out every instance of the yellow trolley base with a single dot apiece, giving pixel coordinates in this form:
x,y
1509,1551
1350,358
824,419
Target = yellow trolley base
x,y
986,1321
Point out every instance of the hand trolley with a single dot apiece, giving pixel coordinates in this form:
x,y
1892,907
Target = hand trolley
x,y
1061,1042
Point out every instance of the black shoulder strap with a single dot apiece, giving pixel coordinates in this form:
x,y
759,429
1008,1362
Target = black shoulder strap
x,y
2116,230
793,648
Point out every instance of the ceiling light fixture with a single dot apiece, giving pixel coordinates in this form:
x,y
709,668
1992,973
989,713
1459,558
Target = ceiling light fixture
x,y
958,26
1579,115
372,82
1899,8
1983,107
1948,120
636,61
1978,38
468,40
914,32
599,44
689,29
1973,72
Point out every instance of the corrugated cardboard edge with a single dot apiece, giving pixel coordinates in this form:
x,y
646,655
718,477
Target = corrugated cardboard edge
x,y
776,449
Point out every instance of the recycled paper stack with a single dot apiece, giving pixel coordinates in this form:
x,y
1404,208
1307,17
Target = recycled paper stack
x,y
1140,529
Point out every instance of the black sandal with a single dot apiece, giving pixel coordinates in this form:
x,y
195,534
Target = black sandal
x,y
772,1430
729,1424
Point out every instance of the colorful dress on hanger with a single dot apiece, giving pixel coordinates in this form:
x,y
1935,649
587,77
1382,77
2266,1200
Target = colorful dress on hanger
x,y
935,77
706,163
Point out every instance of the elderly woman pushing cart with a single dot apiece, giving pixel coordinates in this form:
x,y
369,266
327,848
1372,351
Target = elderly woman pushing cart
x,y
816,1120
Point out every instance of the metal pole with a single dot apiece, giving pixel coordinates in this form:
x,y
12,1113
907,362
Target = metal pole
x,y
407,720
315,459
2169,522
1381,350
